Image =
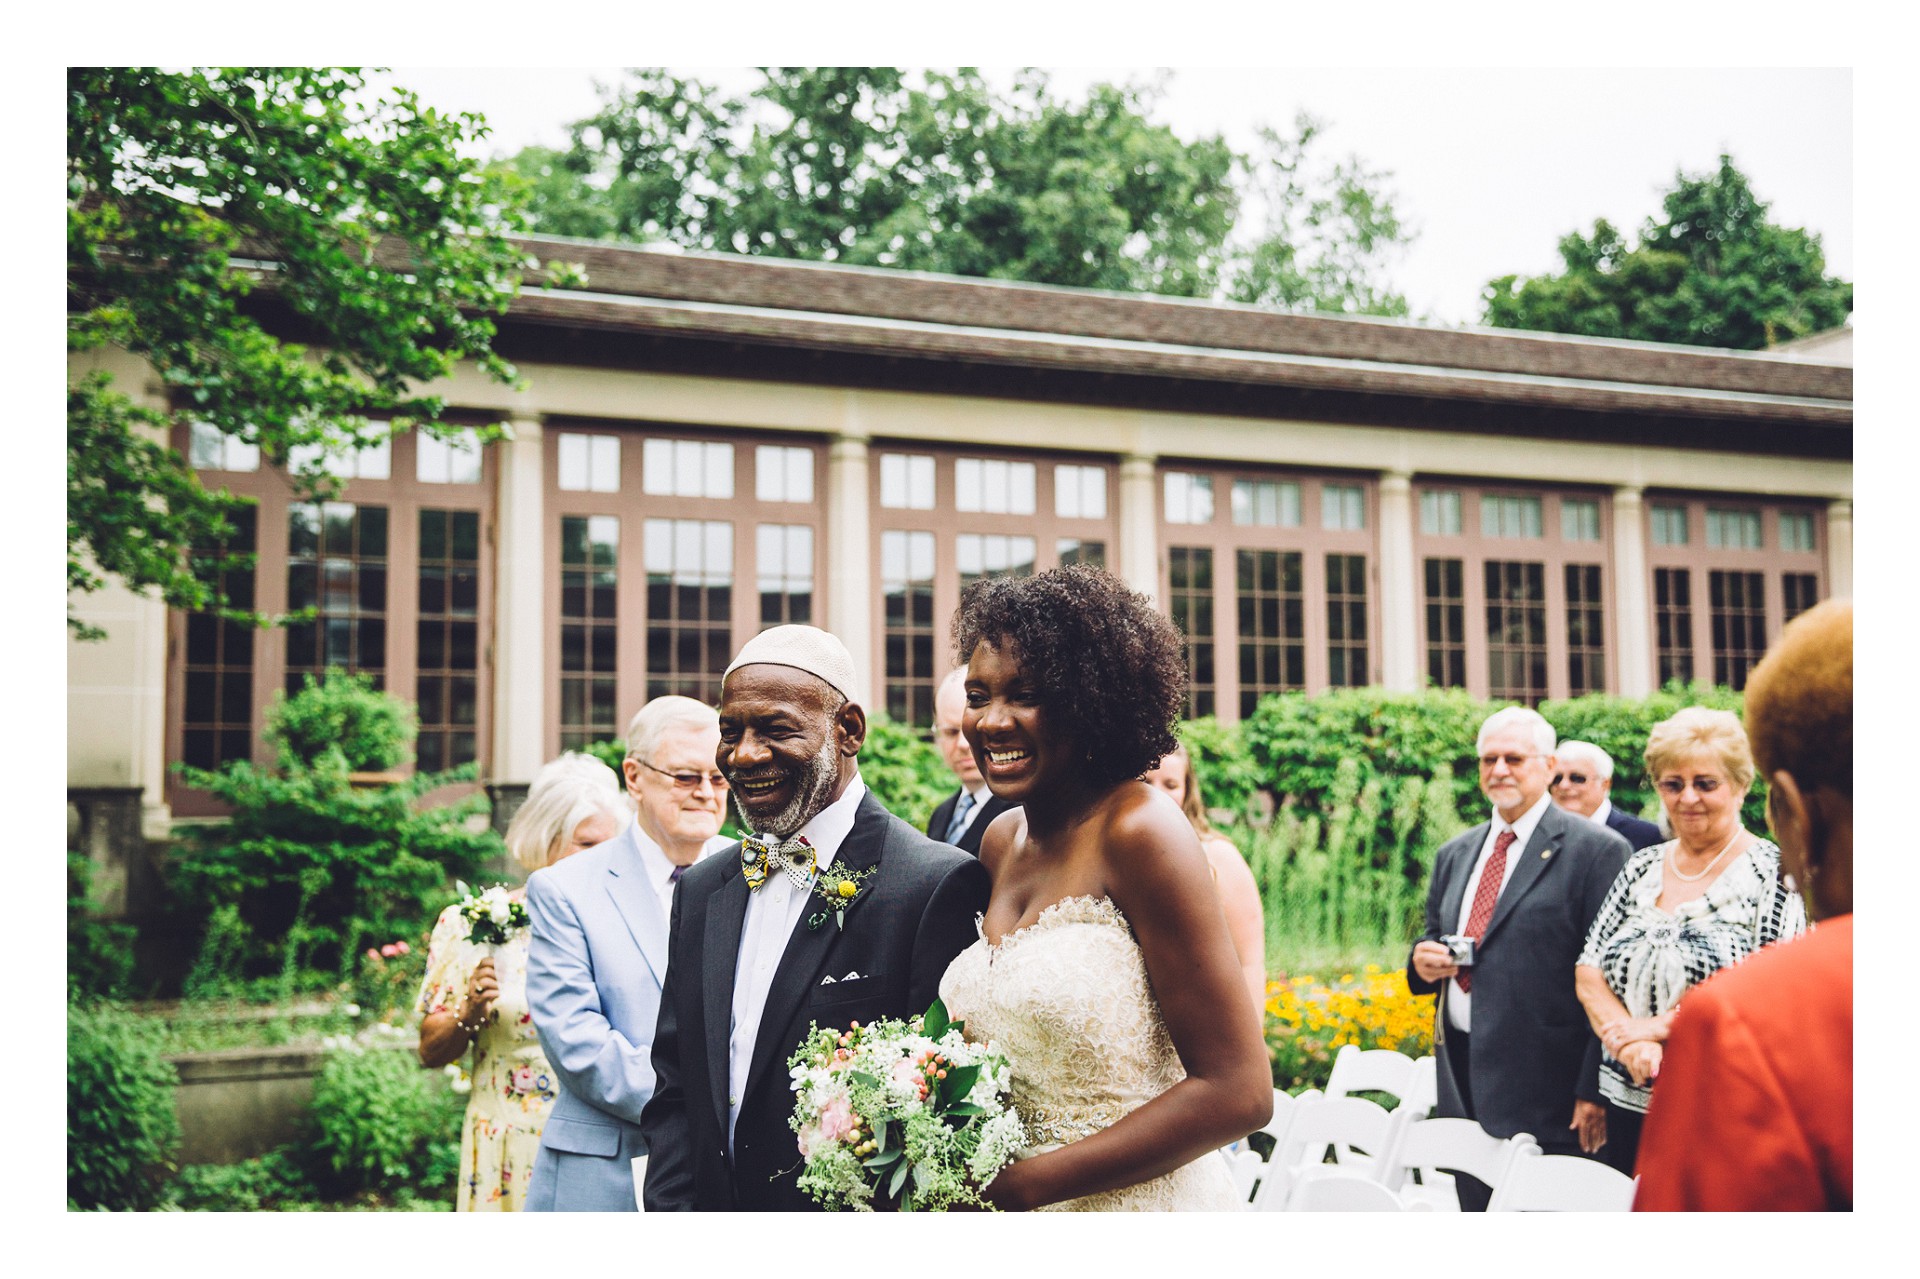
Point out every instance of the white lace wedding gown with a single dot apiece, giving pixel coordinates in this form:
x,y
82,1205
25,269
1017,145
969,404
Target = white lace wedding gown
x,y
1067,999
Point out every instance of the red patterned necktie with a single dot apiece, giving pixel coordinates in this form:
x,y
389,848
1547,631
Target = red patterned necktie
x,y
1484,897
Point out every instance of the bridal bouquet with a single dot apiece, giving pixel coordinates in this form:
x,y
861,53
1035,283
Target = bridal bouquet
x,y
907,1110
491,916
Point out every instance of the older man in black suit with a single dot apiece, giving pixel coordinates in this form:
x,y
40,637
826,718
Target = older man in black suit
x,y
1583,785
963,817
757,953
1510,1037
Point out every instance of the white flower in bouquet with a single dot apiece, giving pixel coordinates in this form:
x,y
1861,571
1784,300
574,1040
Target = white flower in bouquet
x,y
491,916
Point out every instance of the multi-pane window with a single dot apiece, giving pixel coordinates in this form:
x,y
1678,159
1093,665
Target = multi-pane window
x,y
211,449
217,713
1586,634
689,607
1190,601
1669,524
1343,507
1347,620
1446,602
1080,492
1516,630
783,557
979,555
1579,520
1673,624
1796,531
1268,503
1272,624
906,481
1739,620
687,468
1074,550
1509,515
906,588
374,462
1798,593
1733,530
447,680
589,463
1440,512
993,486
450,461
782,473
337,565
1189,497
589,594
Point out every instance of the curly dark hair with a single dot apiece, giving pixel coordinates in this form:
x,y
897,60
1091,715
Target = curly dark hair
x,y
1107,663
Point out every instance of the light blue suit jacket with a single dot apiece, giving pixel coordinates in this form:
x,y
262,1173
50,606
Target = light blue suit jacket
x,y
598,954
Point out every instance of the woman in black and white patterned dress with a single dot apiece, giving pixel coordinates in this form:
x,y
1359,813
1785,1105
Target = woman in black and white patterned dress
x,y
1678,913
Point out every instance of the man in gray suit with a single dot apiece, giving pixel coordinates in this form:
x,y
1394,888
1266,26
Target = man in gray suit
x,y
1510,1038
599,955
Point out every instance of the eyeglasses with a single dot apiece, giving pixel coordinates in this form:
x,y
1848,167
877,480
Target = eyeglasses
x,y
1512,761
688,781
1578,779
1701,785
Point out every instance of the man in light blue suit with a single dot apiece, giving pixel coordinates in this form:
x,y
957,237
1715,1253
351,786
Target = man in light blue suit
x,y
599,955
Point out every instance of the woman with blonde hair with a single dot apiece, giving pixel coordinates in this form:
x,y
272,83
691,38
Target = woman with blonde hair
x,y
1678,912
475,995
1239,895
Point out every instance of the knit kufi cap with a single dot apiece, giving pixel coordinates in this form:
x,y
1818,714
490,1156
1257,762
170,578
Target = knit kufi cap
x,y
805,648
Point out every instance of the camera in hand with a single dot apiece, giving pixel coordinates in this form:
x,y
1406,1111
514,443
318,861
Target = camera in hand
x,y
1459,949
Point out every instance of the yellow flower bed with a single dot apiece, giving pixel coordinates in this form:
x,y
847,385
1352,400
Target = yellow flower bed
x,y
1309,1019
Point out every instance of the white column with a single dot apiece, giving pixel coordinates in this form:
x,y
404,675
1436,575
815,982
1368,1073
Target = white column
x,y
1633,624
1399,636
1840,549
852,596
520,607
1138,562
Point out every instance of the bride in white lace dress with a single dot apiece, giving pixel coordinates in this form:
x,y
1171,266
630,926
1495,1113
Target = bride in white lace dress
x,y
1104,968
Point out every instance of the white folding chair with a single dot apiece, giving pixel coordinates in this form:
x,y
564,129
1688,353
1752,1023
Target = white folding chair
x,y
1537,1182
1423,1090
1246,1164
1347,1192
640,1182
1347,1125
1357,1069
1425,1146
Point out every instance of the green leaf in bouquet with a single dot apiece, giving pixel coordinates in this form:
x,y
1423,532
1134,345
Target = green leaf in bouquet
x,y
935,1023
882,1161
862,1079
880,1132
922,1178
962,1109
899,1178
958,1083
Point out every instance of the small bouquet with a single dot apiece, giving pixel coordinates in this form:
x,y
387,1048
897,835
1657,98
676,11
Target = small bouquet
x,y
491,916
901,1110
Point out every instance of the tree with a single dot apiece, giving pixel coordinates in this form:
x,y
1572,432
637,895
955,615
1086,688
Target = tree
x,y
1710,270
212,212
936,171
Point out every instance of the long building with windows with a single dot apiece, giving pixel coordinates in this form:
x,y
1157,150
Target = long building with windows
x,y
703,446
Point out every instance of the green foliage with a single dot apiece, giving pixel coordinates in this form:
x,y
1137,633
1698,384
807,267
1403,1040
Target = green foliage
x,y
938,171
1710,270
1619,726
1228,775
904,771
389,262
121,1127
379,1122
345,714
99,952
274,1182
313,868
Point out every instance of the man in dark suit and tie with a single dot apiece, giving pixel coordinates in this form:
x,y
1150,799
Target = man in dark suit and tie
x,y
1510,1039
758,953
963,817
1583,785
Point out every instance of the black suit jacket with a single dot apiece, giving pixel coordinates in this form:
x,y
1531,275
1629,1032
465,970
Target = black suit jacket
x,y
1530,1039
915,913
1638,832
969,841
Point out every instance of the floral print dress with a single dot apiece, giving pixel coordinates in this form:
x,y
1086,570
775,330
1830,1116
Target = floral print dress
x,y
513,1087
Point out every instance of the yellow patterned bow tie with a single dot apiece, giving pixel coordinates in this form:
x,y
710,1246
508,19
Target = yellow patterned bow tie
x,y
795,856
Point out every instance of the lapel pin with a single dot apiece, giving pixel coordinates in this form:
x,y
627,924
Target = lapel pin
x,y
1545,853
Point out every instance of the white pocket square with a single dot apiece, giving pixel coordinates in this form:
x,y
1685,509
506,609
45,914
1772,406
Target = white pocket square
x,y
851,976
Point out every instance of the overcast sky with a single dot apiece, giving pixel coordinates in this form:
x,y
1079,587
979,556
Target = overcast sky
x,y
1491,167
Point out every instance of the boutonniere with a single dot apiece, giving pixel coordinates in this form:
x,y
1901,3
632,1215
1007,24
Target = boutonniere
x,y
838,888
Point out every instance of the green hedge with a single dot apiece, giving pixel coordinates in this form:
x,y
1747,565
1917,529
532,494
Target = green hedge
x,y
122,1130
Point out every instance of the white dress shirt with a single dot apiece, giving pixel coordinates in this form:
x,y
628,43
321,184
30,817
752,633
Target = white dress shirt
x,y
1600,814
659,867
1460,1002
773,910
980,795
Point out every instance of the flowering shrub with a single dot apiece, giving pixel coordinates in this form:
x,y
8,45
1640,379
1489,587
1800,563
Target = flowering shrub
x,y
1309,1019
385,982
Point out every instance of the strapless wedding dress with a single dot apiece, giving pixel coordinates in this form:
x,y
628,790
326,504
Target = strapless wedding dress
x,y
1067,999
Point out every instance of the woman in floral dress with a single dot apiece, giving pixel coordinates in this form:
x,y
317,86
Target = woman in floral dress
x,y
476,995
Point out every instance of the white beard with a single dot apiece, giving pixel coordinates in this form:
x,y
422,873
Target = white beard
x,y
816,787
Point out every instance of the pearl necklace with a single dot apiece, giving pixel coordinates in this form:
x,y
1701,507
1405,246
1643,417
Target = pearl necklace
x,y
1700,874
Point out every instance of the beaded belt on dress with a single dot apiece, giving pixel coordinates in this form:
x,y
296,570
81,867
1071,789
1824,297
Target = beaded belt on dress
x,y
1046,1125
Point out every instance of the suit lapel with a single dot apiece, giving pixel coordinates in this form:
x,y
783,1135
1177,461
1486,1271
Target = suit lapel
x,y
1539,854
634,899
719,956
808,948
1457,878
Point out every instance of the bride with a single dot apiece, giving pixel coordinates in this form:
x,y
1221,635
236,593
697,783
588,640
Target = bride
x,y
1104,968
